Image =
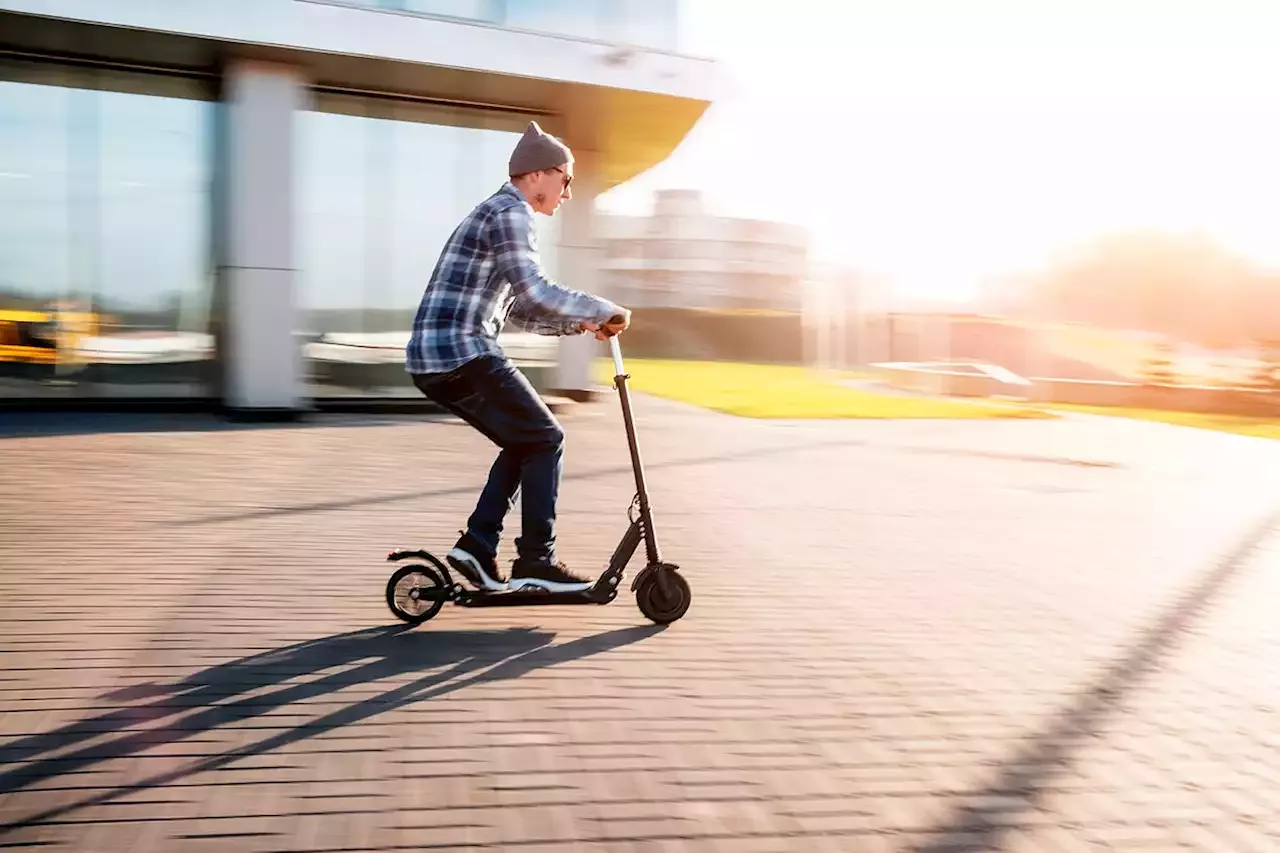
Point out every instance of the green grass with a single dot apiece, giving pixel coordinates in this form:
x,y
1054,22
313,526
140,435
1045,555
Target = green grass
x,y
782,391
1258,427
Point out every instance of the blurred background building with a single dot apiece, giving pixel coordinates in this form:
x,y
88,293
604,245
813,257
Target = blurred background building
x,y
681,256
242,200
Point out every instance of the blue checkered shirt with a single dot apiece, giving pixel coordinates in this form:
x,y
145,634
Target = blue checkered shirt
x,y
489,273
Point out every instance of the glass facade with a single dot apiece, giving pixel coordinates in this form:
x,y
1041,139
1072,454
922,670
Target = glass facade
x,y
105,255
381,185
651,24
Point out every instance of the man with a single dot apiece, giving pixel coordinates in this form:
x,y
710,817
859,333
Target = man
x,y
489,272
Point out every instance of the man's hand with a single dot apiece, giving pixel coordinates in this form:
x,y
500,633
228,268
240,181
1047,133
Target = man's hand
x,y
615,325
603,331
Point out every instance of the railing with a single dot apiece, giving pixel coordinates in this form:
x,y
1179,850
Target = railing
x,y
651,25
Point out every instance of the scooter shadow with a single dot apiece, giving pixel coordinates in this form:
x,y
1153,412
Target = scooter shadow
x,y
255,686
397,648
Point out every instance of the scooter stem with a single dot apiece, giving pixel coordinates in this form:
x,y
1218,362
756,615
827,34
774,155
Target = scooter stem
x,y
628,421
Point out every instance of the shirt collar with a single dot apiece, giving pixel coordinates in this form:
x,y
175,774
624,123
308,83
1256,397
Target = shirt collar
x,y
509,188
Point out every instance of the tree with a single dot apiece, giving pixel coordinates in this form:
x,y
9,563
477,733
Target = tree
x,y
1183,286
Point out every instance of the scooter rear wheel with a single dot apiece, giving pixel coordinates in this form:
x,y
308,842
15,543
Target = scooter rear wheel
x,y
662,607
416,593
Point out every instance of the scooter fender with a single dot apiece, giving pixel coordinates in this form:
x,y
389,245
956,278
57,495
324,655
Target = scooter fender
x,y
651,569
398,555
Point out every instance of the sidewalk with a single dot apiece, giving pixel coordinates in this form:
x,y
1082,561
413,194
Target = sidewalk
x,y
905,636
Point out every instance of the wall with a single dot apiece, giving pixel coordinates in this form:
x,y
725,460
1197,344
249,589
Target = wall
x,y
957,381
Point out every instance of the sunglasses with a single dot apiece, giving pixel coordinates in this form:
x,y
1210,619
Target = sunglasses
x,y
568,179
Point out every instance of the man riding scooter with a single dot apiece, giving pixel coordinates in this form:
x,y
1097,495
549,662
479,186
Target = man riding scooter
x,y
488,273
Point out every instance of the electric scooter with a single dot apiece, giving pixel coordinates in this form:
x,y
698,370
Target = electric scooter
x,y
417,592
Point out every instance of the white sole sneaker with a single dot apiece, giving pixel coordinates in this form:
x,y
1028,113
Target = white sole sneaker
x,y
549,586
469,567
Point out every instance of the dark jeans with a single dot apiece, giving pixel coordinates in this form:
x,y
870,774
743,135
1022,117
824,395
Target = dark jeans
x,y
493,396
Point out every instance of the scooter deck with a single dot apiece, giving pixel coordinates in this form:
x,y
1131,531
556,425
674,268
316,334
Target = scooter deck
x,y
533,597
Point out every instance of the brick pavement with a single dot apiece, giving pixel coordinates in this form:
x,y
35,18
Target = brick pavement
x,y
920,636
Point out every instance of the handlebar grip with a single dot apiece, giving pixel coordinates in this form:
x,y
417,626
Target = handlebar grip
x,y
615,320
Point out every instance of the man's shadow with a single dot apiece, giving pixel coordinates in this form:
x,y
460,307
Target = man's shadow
x,y
451,660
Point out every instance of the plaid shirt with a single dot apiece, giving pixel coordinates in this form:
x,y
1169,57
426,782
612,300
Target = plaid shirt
x,y
488,274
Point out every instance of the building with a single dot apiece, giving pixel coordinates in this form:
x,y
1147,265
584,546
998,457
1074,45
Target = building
x,y
243,199
683,256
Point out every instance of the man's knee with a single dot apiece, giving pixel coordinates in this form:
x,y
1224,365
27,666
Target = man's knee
x,y
552,438
547,439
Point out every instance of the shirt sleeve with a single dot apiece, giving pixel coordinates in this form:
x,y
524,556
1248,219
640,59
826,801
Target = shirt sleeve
x,y
539,300
526,321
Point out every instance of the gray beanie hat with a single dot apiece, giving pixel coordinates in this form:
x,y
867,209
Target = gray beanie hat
x,y
536,151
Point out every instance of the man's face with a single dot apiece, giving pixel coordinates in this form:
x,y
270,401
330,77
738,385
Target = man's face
x,y
551,187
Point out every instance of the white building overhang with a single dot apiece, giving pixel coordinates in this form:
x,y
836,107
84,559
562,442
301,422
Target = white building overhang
x,y
632,106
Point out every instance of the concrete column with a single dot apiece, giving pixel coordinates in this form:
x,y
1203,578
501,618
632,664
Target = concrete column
x,y
579,259
262,369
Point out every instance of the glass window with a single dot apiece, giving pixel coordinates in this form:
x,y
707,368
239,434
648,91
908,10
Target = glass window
x,y
644,23
582,18
382,185
105,267
478,10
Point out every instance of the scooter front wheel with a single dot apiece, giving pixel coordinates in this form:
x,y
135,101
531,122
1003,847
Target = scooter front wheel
x,y
416,593
664,606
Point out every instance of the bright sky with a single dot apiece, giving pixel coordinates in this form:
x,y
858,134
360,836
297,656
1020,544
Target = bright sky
x,y
942,143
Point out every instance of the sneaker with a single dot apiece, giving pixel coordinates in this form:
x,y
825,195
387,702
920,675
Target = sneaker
x,y
544,575
470,559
